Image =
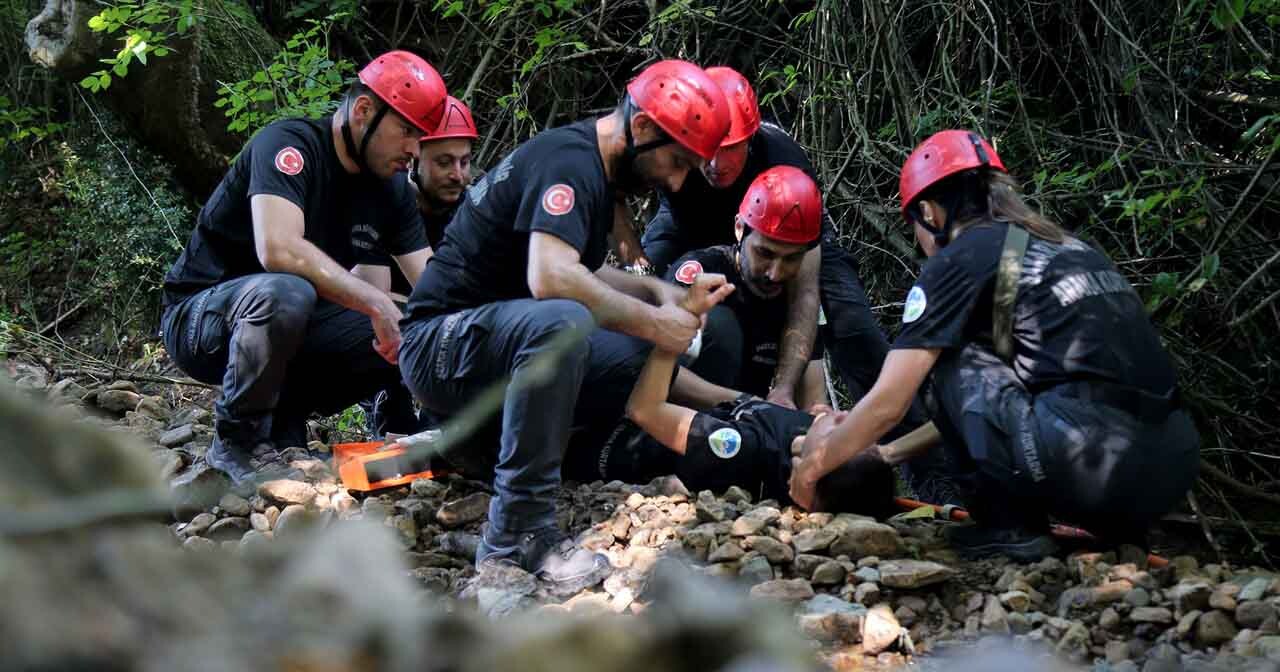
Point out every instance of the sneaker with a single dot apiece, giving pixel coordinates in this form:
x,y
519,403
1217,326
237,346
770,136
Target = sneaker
x,y
553,557
977,541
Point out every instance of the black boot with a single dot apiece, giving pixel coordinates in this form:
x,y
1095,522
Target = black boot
x,y
1020,544
549,554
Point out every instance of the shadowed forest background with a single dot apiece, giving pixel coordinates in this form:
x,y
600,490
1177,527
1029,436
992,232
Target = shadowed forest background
x,y
1150,128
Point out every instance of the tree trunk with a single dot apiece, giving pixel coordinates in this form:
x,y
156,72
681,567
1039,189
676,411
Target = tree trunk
x,y
168,103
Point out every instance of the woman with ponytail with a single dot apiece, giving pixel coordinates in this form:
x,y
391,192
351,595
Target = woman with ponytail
x,y
1050,383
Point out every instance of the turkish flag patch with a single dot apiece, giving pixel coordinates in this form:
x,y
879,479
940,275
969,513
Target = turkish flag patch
x,y
688,272
289,161
558,199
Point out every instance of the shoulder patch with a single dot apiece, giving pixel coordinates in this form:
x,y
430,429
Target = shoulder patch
x,y
558,199
725,442
916,303
688,272
289,161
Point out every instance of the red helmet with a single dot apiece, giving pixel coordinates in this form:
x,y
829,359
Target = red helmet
x,y
783,203
685,103
409,85
744,113
945,153
456,122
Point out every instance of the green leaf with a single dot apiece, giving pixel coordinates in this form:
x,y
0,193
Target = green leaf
x,y
161,52
90,82
121,69
98,23
646,39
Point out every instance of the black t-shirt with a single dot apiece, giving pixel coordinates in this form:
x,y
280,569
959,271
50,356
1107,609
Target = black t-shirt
x,y
296,160
369,250
704,214
554,183
748,446
762,319
1076,317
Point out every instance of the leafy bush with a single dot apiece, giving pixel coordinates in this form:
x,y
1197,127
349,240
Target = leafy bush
x,y
112,224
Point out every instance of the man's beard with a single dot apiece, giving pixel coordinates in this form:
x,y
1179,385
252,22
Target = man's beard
x,y
628,178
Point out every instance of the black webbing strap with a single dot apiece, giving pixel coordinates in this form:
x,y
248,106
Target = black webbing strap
x,y
1006,292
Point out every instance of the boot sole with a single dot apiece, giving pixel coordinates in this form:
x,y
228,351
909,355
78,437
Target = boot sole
x,y
1032,550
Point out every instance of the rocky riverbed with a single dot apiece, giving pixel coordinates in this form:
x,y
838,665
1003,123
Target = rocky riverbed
x,y
863,594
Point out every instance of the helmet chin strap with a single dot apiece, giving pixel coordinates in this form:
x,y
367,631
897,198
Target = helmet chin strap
x,y
349,140
627,176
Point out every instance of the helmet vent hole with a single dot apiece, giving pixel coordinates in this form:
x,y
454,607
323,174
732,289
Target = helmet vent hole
x,y
697,117
926,156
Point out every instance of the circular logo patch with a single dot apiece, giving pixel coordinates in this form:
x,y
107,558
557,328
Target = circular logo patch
x,y
688,272
289,161
725,442
558,199
915,305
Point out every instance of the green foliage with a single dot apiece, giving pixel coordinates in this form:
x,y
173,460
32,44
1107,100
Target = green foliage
x,y
145,29
302,80
109,236
18,124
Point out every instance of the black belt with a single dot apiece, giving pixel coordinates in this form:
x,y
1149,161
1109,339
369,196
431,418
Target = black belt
x,y
1141,404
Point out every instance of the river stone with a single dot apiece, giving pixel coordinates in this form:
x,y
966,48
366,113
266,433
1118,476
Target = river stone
x,y
288,491
1158,615
755,569
460,512
1253,590
1214,629
880,630
913,573
118,401
775,551
829,619
729,551
864,537
1190,595
995,619
177,436
228,529
234,504
811,540
1253,613
1074,644
829,573
783,590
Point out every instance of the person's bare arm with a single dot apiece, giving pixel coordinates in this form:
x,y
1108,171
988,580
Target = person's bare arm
x,y
796,345
653,291
378,276
278,226
915,443
648,406
413,263
814,387
690,389
555,271
874,415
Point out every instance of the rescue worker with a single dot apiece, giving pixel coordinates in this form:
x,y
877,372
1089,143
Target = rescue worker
x,y
701,214
748,442
261,301
1052,385
439,175
522,261
778,222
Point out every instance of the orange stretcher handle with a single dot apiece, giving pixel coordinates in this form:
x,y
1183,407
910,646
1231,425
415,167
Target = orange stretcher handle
x,y
1061,531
